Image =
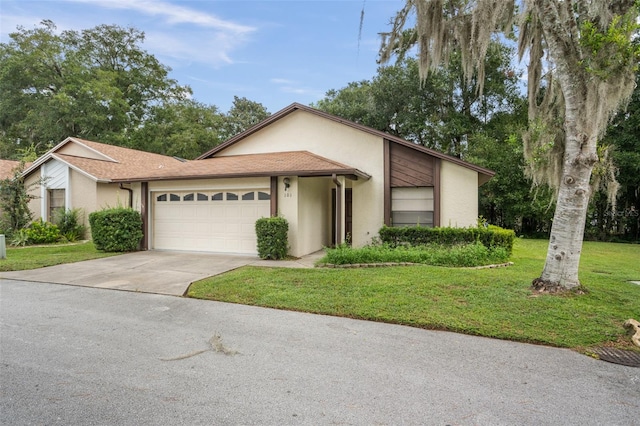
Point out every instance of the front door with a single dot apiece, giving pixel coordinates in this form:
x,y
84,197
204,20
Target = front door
x,y
348,212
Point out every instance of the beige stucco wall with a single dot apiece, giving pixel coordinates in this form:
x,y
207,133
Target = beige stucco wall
x,y
458,195
34,190
301,130
314,215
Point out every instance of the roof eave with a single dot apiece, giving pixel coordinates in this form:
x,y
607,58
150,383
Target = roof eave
x,y
353,174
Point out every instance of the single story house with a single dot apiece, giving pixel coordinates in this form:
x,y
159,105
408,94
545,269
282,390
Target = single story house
x,y
332,179
78,173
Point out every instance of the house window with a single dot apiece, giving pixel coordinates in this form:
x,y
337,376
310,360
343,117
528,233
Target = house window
x,y
412,206
56,201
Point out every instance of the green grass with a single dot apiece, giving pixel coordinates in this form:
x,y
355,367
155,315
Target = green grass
x,y
488,302
22,258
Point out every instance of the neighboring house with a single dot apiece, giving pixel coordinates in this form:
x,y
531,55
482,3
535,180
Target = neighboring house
x,y
330,178
78,173
7,167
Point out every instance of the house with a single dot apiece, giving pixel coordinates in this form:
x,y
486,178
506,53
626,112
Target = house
x,y
332,180
78,173
7,168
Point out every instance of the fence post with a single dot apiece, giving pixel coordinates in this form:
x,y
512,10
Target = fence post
x,y
3,247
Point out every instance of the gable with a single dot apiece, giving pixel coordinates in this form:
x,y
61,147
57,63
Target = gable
x,y
410,168
78,150
337,145
301,130
55,174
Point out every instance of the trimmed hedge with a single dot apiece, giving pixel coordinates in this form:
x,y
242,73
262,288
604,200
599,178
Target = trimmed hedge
x,y
490,236
116,230
272,237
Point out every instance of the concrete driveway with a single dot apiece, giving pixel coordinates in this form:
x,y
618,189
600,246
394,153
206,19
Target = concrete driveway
x,y
160,272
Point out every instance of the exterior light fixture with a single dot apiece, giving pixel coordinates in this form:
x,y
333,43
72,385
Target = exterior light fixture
x,y
287,183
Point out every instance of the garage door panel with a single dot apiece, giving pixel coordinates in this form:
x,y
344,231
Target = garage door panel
x,y
219,224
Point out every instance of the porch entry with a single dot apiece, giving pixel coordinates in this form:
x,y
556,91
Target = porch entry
x,y
348,214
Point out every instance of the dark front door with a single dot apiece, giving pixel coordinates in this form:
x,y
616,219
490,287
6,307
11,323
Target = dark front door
x,y
348,211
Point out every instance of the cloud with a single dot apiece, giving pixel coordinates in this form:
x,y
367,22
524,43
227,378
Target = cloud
x,y
292,86
173,13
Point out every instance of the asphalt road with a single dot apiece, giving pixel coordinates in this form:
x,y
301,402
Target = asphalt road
x,y
86,356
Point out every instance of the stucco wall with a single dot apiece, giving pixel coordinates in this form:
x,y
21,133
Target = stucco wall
x,y
301,130
82,195
314,215
458,195
34,190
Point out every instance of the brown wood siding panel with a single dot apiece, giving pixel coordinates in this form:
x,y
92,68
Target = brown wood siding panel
x,y
274,196
436,194
144,212
409,167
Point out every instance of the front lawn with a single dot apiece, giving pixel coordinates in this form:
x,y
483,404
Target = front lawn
x,y
21,258
487,302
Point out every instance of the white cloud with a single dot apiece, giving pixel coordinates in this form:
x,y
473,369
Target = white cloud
x,y
292,86
173,13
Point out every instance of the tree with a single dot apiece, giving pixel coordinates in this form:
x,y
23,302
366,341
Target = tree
x,y
184,129
441,114
242,115
96,84
620,219
590,62
14,202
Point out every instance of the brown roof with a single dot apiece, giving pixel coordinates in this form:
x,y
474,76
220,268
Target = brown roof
x,y
297,163
121,162
296,106
7,167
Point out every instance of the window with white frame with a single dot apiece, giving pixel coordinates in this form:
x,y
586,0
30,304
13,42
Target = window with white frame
x,y
412,206
56,201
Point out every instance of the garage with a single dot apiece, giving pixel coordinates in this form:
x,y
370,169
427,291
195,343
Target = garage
x,y
204,220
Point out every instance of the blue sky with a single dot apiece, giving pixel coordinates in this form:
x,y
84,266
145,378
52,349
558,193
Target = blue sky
x,y
272,52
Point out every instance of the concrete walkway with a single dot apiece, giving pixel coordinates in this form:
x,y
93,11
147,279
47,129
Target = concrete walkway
x,y
159,272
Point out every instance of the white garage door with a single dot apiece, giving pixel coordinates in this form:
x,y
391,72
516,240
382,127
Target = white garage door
x,y
216,221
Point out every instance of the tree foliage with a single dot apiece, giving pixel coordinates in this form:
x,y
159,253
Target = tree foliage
x,y
243,114
442,113
97,84
14,202
100,84
185,129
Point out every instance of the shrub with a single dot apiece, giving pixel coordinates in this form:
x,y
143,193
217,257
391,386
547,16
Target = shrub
x,y
116,230
474,254
68,221
41,232
490,236
272,237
